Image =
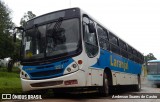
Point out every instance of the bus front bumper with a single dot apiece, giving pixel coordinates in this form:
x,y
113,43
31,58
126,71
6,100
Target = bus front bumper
x,y
76,79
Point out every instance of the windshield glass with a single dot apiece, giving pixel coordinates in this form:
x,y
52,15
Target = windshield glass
x,y
49,40
153,68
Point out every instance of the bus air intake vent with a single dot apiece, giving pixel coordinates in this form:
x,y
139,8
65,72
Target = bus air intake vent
x,y
42,67
47,73
50,83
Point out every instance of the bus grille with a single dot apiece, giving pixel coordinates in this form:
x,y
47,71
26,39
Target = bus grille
x,y
44,84
52,73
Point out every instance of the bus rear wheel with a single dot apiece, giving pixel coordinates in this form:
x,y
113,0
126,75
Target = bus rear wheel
x,y
138,86
104,90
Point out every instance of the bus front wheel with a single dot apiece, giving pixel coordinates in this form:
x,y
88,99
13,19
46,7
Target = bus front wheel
x,y
104,90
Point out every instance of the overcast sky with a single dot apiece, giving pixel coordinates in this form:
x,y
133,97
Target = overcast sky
x,y
135,21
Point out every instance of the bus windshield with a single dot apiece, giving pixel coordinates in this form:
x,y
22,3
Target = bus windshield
x,y
51,39
153,68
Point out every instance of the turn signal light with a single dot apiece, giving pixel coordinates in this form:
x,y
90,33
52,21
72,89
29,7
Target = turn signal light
x,y
80,61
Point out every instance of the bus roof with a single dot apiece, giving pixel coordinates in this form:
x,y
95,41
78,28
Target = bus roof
x,y
154,61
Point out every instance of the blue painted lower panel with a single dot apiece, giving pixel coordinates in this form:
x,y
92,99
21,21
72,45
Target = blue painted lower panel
x,y
52,70
117,63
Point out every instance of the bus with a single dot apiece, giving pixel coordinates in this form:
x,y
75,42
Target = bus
x,y
153,69
68,49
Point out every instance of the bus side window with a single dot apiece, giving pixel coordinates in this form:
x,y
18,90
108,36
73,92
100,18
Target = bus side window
x,y
135,53
114,43
102,33
130,52
113,39
123,48
103,38
90,39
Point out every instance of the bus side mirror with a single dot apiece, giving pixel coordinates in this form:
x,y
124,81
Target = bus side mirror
x,y
91,28
15,32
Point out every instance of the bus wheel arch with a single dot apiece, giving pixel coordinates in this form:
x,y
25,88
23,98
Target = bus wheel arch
x,y
107,82
139,82
109,75
138,86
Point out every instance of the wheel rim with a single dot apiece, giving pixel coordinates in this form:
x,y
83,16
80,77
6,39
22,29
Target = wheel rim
x,y
106,85
139,83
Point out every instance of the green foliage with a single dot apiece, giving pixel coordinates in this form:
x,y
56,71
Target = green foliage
x,y
16,51
10,82
27,16
15,70
150,56
6,47
5,21
6,24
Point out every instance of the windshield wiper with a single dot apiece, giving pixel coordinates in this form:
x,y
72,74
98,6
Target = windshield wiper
x,y
57,25
56,28
56,33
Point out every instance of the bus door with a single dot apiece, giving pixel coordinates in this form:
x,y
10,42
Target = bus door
x,y
92,50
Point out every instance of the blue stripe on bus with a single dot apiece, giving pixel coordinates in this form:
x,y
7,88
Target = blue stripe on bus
x,y
35,71
153,77
117,63
154,61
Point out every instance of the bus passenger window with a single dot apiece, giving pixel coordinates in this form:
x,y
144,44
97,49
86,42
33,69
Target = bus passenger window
x,y
104,44
113,39
103,38
102,33
114,43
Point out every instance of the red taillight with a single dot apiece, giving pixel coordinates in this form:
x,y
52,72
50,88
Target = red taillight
x,y
70,82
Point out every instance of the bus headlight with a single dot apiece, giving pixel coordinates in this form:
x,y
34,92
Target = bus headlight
x,y
24,75
74,65
71,68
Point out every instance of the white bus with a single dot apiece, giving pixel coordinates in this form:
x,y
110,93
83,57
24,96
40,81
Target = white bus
x,y
68,49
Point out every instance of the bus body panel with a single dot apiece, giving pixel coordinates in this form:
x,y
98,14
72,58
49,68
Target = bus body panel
x,y
117,63
121,68
89,73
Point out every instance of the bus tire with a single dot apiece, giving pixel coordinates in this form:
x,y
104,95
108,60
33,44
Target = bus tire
x,y
138,86
104,90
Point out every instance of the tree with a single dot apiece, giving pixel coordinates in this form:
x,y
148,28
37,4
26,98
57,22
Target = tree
x,y
6,24
27,16
150,56
5,20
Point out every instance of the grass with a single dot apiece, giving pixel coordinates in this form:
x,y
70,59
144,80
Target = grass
x,y
10,81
